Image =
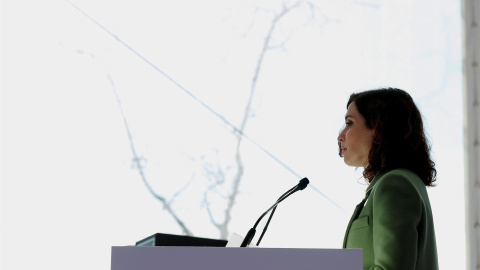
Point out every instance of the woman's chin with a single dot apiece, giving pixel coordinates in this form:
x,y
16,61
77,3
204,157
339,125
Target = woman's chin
x,y
351,163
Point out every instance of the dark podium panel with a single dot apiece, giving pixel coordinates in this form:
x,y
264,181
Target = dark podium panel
x,y
161,239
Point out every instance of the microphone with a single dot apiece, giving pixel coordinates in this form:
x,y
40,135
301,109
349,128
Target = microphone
x,y
302,184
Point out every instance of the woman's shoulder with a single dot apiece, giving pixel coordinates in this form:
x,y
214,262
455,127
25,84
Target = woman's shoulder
x,y
400,173
400,179
400,187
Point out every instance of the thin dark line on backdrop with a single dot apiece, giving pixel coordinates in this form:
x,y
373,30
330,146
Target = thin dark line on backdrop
x,y
235,129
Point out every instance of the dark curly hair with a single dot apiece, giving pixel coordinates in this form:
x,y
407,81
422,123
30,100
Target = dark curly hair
x,y
399,139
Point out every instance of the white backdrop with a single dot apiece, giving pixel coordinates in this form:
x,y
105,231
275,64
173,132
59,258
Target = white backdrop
x,y
69,188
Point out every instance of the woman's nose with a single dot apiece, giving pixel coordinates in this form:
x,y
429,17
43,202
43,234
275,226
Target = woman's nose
x,y
341,135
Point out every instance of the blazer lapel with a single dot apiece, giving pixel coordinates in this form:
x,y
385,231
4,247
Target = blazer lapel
x,y
356,212
358,209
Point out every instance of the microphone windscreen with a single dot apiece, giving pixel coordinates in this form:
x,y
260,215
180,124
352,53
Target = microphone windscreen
x,y
303,184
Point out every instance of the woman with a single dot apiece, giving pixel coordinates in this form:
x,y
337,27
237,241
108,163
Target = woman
x,y
393,225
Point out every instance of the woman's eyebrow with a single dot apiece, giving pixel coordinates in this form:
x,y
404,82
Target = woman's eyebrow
x,y
347,116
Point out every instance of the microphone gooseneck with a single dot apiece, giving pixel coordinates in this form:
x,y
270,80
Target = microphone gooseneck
x,y
251,233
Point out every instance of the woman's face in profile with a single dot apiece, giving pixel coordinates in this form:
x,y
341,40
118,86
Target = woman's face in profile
x,y
355,139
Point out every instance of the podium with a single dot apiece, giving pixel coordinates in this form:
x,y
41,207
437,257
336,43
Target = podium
x,y
162,239
233,258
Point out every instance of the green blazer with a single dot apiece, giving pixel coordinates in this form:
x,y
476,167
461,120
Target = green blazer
x,y
395,226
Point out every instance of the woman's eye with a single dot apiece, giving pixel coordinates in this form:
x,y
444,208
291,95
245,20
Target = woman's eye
x,y
348,123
